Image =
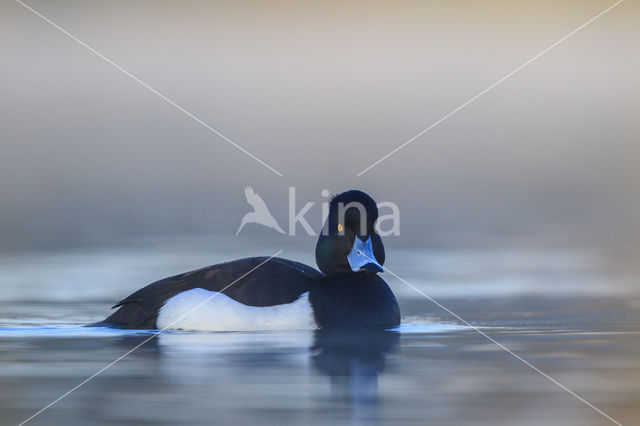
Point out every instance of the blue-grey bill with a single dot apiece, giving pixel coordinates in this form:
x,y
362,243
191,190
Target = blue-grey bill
x,y
361,257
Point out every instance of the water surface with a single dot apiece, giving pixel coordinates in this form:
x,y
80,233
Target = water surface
x,y
560,310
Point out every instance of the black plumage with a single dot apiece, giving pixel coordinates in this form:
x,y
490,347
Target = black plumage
x,y
276,282
341,296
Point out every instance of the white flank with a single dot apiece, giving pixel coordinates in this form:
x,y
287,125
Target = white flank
x,y
222,313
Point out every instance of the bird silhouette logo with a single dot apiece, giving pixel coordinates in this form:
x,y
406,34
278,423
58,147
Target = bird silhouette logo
x,y
260,214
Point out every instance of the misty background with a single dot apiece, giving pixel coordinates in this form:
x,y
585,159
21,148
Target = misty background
x,y
520,213
319,92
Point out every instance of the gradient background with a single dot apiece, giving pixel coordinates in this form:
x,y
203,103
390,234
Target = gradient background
x,y
320,91
520,212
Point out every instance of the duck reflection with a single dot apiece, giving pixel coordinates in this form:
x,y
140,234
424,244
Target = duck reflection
x,y
272,369
353,361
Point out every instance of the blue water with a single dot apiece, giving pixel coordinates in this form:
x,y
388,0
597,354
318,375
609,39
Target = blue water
x,y
562,310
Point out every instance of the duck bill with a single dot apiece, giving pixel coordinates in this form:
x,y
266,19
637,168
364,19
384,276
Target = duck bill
x,y
361,257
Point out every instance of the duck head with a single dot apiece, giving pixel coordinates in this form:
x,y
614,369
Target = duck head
x,y
348,242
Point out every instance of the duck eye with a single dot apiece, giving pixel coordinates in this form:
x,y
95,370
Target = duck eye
x,y
340,227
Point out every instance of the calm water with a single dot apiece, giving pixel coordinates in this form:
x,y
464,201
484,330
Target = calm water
x,y
565,311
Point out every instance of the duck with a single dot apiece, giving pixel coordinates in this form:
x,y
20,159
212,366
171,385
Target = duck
x,y
270,293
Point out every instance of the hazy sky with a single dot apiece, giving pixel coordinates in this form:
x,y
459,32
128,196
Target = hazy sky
x,y
319,92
